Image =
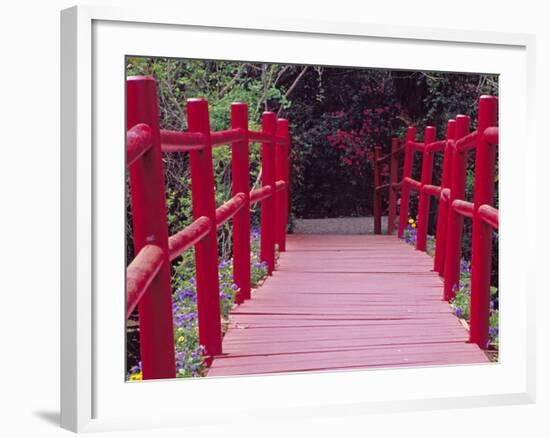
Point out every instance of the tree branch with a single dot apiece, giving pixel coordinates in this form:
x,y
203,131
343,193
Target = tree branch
x,y
293,86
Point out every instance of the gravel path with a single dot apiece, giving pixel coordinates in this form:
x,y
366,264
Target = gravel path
x,y
341,225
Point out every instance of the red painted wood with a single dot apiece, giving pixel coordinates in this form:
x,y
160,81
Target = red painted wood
x,y
412,184
463,208
484,186
335,303
260,136
228,136
491,135
407,173
489,215
436,146
240,184
281,175
260,194
150,228
206,251
392,195
442,212
424,199
377,201
430,190
417,146
189,236
140,274
467,142
280,186
229,209
176,141
138,141
455,221
267,214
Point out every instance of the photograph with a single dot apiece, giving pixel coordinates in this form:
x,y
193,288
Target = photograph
x,y
234,219
289,218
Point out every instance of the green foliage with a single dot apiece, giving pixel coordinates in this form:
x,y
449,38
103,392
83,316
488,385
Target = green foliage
x,y
221,83
258,268
462,300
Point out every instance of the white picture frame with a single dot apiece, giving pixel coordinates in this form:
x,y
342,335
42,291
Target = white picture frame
x,y
84,371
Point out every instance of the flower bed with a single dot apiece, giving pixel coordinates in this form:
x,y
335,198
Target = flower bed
x,y
460,305
190,354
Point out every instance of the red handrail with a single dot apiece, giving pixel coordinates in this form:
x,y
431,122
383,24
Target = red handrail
x,y
467,142
148,275
452,206
141,273
229,209
412,184
489,215
407,173
228,136
188,237
260,194
138,141
463,208
176,141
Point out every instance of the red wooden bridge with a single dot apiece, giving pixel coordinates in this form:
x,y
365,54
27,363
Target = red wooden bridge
x,y
331,301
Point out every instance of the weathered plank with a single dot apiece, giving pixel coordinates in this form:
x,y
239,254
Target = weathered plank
x,y
341,302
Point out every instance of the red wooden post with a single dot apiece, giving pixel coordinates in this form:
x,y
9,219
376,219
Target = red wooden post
x,y
267,215
481,232
206,251
376,195
443,208
149,220
392,196
281,174
424,199
407,173
240,169
455,221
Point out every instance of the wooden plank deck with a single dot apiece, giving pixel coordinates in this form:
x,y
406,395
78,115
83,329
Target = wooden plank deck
x,y
341,302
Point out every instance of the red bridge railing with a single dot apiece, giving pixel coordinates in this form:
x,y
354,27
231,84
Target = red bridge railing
x,y
148,285
452,207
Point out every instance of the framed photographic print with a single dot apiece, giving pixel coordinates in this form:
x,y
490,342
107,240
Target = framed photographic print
x,y
306,217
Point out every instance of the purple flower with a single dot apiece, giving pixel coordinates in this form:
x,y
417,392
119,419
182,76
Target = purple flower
x,y
458,312
184,294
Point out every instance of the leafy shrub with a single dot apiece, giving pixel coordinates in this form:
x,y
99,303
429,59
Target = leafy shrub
x,y
462,300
